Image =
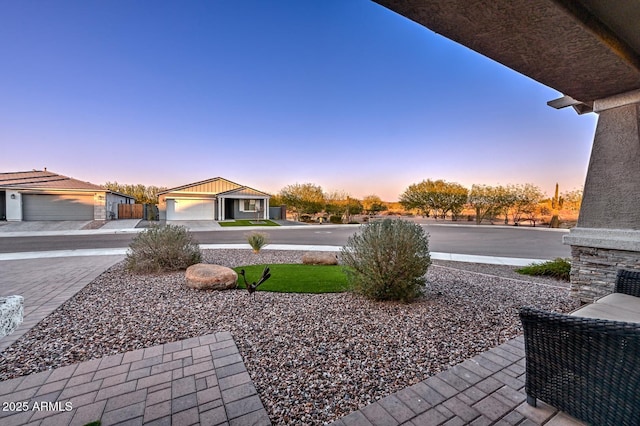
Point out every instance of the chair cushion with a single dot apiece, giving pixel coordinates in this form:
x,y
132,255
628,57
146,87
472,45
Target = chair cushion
x,y
621,300
615,306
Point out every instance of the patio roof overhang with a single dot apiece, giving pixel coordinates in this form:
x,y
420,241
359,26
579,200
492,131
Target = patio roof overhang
x,y
586,49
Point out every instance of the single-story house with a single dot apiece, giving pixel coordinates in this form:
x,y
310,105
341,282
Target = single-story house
x,y
213,199
43,195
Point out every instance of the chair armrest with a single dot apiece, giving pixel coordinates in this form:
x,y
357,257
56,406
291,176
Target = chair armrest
x,y
586,367
628,282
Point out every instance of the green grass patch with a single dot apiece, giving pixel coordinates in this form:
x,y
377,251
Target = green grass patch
x,y
297,278
558,268
249,222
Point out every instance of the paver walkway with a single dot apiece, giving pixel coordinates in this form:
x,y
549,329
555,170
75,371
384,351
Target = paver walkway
x,y
201,380
46,284
487,389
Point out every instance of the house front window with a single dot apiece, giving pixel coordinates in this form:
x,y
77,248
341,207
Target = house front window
x,y
249,205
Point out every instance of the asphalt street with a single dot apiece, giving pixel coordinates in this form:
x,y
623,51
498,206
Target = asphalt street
x,y
485,240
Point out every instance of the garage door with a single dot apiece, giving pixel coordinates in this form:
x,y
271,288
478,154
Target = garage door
x,y
57,207
188,209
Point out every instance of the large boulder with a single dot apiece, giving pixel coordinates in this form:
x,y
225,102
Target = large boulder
x,y
320,258
204,276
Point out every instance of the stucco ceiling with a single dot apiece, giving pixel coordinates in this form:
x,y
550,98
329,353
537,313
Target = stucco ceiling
x,y
586,49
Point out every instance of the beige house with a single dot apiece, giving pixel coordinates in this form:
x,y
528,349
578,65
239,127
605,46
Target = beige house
x,y
44,195
213,199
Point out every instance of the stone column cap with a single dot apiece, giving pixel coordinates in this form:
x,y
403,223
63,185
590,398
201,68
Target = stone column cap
x,y
614,239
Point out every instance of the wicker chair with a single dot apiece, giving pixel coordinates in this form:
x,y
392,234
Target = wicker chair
x,y
588,368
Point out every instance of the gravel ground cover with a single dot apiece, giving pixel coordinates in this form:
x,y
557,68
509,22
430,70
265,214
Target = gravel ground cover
x,y
313,358
503,271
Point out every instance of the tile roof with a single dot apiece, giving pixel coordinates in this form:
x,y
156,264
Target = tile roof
x,y
43,179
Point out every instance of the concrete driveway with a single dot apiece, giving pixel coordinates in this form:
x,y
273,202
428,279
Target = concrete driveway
x,y
66,225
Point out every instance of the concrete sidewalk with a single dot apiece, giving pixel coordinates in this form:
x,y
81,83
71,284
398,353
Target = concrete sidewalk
x,y
493,260
43,229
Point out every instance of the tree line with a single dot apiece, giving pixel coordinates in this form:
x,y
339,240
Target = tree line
x,y
142,194
435,198
308,199
519,203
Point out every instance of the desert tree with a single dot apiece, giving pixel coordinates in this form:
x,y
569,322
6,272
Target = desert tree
x,y
486,201
572,199
439,197
306,198
340,203
527,203
372,204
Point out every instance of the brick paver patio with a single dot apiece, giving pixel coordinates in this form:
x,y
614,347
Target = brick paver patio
x,y
200,380
487,389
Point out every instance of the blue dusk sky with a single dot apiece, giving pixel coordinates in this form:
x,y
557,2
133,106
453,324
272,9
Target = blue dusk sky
x,y
344,94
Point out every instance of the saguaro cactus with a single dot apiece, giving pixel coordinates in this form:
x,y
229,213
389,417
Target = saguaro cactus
x,y
556,205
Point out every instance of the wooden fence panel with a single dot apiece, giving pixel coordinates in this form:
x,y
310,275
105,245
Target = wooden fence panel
x,y
130,211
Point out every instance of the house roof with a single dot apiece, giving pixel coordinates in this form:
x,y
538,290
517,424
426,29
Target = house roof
x,y
245,190
43,179
215,186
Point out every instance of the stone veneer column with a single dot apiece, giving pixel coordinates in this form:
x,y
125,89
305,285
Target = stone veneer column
x,y
607,236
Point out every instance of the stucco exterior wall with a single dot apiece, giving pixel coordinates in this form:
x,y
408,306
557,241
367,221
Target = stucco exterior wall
x,y
612,188
112,202
607,237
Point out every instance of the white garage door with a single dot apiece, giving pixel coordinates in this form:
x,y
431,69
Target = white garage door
x,y
189,209
57,207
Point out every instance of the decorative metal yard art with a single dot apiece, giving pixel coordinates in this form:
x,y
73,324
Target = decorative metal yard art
x,y
266,274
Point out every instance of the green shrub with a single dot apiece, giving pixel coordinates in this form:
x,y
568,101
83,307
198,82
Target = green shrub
x,y
388,260
558,268
257,240
335,219
162,248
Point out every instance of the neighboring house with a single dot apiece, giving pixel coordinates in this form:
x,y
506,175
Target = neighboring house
x,y
43,195
213,199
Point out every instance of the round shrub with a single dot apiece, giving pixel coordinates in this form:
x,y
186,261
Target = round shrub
x,y
558,268
388,260
335,219
162,248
